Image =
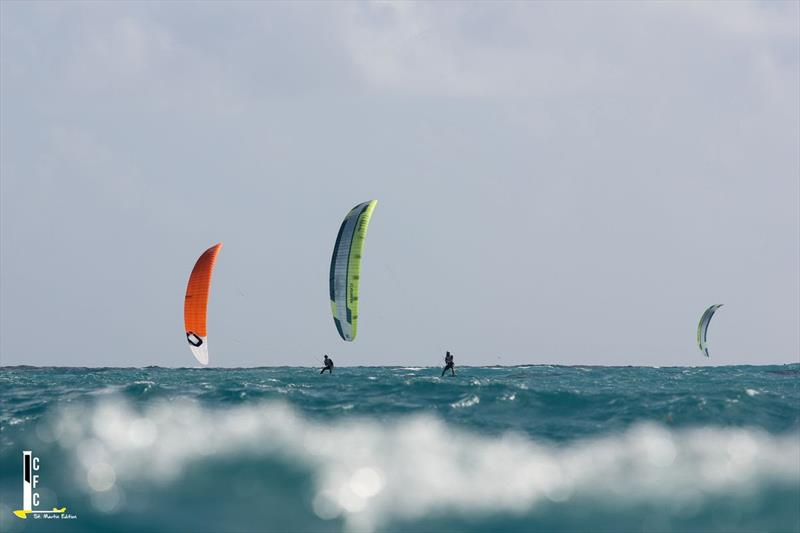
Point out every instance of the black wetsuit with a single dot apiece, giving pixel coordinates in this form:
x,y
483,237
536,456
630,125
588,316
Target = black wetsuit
x,y
328,366
449,364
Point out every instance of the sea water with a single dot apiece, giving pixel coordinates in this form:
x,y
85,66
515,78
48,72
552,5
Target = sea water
x,y
521,448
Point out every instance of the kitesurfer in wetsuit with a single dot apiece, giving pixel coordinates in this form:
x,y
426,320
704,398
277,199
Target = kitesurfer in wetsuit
x,y
448,363
328,365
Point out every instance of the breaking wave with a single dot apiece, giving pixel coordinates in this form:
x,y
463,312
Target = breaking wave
x,y
367,474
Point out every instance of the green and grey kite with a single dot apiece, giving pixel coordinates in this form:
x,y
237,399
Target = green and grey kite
x,y
702,327
346,268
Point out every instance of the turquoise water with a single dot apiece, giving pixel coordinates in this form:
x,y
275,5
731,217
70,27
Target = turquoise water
x,y
401,449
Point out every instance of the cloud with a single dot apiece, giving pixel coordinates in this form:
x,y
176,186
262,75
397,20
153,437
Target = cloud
x,y
609,152
540,50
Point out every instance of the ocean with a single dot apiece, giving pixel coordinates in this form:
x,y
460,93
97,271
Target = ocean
x,y
524,448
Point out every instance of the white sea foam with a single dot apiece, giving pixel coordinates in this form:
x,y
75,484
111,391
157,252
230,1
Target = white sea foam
x,y
370,473
469,401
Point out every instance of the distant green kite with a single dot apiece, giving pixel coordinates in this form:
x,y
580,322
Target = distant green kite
x,y
702,327
346,268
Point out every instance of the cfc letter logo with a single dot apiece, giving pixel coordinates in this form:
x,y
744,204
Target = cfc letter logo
x,y
30,484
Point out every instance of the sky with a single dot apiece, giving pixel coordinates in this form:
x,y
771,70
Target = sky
x,y
557,183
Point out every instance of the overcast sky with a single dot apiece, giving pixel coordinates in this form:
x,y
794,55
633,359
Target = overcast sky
x,y
566,183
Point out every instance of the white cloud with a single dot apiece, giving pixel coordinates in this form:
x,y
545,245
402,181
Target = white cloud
x,y
597,130
537,49
128,48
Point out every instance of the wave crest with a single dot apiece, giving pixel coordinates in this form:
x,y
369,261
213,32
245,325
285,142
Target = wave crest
x,y
370,473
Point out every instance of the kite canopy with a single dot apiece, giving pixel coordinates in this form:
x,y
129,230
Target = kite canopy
x,y
196,303
346,268
702,327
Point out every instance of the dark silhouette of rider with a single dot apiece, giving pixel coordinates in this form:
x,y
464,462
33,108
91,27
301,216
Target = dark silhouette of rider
x,y
328,365
448,363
